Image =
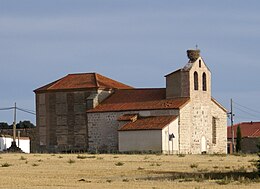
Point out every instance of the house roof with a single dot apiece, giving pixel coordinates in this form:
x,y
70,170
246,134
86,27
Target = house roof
x,y
248,129
139,99
148,123
83,81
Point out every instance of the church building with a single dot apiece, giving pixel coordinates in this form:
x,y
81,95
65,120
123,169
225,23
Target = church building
x,y
90,112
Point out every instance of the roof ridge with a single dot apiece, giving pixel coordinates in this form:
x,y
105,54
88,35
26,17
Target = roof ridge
x,y
83,73
142,88
96,79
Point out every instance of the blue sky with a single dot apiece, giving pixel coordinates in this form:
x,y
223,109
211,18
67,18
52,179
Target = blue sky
x,y
136,42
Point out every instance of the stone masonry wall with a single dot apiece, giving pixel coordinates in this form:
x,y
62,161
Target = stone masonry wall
x,y
221,129
196,117
61,121
102,128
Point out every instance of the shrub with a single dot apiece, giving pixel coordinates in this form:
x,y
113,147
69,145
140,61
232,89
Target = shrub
x,y
6,165
119,163
35,165
140,168
23,158
224,181
125,180
81,157
194,165
71,161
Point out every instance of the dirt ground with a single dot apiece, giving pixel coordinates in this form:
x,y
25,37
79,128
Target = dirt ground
x,y
127,171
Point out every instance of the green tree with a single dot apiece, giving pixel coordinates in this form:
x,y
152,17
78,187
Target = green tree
x,y
24,125
4,125
238,139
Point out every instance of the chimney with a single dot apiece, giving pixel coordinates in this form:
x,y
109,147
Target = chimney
x,y
193,55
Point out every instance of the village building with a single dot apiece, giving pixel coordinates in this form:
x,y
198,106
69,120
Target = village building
x,y
22,142
92,112
250,135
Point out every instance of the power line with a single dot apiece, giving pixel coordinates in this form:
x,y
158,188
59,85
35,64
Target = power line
x,y
247,112
26,111
21,109
9,108
247,108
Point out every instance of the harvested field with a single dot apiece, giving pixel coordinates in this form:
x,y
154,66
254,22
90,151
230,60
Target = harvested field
x,y
129,171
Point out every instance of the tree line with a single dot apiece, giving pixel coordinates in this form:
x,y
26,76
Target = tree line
x,y
20,125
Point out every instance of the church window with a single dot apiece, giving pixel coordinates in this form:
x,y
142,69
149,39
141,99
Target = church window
x,y
196,82
204,82
200,63
214,130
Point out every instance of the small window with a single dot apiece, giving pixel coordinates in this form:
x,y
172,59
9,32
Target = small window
x,y
196,82
214,130
204,82
200,63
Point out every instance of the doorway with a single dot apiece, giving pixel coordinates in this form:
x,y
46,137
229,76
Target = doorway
x,y
203,145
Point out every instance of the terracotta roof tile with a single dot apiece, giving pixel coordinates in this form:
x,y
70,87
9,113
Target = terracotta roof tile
x,y
83,81
139,99
148,123
248,129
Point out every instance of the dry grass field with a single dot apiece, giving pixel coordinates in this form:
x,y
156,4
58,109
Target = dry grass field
x,y
126,171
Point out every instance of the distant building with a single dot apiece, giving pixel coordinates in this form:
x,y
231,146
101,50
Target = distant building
x,y
250,132
92,112
22,142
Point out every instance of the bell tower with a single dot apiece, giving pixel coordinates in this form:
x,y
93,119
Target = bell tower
x,y
193,80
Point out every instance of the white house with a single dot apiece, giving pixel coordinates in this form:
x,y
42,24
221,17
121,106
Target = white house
x,y
153,133
22,142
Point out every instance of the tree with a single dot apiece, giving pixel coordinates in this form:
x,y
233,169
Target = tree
x,y
238,139
24,125
4,125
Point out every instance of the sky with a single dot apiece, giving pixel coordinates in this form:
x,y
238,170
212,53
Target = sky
x,y
136,42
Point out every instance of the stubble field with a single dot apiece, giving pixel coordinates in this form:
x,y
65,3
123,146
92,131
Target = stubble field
x,y
127,171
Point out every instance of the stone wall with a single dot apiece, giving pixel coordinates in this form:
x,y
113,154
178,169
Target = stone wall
x,y
196,117
61,120
221,129
102,128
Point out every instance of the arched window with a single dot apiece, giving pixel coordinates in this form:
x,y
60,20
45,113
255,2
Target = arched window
x,y
204,82
196,81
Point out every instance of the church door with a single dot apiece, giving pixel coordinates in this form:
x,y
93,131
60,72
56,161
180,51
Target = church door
x,y
203,145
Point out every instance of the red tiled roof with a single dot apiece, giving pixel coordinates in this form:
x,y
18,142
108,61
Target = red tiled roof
x,y
83,81
148,123
248,129
139,99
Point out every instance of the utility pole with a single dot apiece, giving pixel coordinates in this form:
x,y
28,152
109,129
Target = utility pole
x,y
14,125
232,126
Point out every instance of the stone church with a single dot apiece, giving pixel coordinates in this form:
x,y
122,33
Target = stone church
x,y
90,112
